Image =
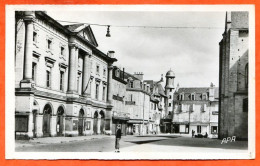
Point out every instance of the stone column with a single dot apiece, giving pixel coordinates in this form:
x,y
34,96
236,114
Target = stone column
x,y
53,124
86,75
73,67
109,88
39,125
98,124
28,50
30,125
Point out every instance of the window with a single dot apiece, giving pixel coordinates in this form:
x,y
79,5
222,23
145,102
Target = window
x,y
34,71
245,105
97,69
104,93
170,90
34,37
246,76
61,80
131,97
97,91
170,104
198,129
214,129
192,96
151,106
49,44
181,96
87,125
131,84
154,106
104,72
48,79
170,96
62,51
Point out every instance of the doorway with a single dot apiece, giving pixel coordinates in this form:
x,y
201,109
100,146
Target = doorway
x,y
102,122
46,120
81,122
95,124
60,121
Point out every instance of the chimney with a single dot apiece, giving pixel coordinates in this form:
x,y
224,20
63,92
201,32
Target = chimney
x,y
177,87
211,92
139,75
111,54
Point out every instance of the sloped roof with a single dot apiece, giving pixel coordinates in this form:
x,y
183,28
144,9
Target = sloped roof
x,y
76,28
193,90
198,90
73,27
128,75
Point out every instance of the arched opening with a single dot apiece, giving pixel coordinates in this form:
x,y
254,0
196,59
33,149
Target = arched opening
x,y
46,120
95,124
60,121
102,123
81,122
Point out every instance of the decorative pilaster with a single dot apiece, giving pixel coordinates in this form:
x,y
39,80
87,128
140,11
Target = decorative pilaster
x,y
73,67
109,89
86,75
28,50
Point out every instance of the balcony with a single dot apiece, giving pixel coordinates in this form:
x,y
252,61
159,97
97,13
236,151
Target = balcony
x,y
117,98
129,102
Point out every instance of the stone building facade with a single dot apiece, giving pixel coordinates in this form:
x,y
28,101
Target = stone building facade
x,y
137,104
196,109
62,81
233,77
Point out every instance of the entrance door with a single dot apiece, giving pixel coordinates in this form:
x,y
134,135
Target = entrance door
x,y
81,122
95,124
60,122
46,120
102,122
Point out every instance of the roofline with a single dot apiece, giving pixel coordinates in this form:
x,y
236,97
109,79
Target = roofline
x,y
73,34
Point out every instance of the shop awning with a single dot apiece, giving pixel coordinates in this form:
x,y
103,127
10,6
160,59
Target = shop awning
x,y
137,121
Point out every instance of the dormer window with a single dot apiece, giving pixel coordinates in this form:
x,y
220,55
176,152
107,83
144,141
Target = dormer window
x,y
181,96
192,96
131,84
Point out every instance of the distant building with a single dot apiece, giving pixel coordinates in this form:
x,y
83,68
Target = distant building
x,y
62,80
196,109
137,102
233,77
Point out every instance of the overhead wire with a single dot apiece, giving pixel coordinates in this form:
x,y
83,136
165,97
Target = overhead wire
x,y
143,26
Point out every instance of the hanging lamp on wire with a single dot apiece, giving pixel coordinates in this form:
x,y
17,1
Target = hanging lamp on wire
x,y
108,31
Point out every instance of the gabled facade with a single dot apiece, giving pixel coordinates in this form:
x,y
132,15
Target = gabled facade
x,y
196,109
62,80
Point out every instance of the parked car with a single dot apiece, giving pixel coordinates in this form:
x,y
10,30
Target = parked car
x,y
202,135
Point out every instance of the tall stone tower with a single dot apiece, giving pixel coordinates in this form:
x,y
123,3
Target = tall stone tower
x,y
169,89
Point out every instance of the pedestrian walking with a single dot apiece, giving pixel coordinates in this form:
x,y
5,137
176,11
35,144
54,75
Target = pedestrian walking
x,y
192,132
118,137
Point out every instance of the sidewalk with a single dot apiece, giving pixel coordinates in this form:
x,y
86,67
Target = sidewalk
x,y
57,140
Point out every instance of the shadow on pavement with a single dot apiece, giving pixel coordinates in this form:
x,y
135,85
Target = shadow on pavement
x,y
203,143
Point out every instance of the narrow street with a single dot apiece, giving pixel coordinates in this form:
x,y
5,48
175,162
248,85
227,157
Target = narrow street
x,y
149,143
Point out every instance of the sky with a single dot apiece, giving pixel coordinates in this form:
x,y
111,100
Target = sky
x,y
192,53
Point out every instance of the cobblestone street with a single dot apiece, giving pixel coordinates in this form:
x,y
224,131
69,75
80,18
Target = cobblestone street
x,y
149,143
